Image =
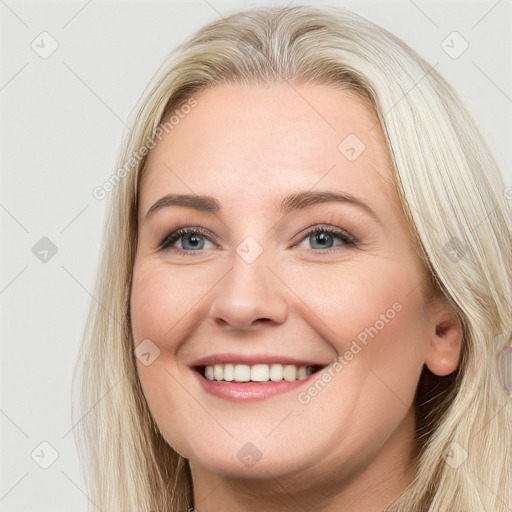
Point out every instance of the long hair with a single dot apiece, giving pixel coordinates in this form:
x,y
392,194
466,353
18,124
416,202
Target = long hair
x,y
452,195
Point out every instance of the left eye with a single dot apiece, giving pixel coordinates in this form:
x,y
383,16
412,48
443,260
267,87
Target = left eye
x,y
324,238
195,239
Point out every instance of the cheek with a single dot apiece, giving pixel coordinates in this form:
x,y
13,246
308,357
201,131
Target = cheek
x,y
372,317
164,301
163,307
149,304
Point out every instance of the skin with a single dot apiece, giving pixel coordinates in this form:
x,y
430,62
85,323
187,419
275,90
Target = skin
x,y
352,446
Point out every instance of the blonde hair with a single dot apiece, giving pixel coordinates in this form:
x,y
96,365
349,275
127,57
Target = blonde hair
x,y
453,197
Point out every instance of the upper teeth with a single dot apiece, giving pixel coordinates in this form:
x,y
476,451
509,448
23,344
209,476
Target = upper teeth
x,y
257,372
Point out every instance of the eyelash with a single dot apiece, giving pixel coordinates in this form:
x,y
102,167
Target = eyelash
x,y
172,237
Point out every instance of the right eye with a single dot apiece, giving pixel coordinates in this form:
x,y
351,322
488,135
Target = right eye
x,y
190,240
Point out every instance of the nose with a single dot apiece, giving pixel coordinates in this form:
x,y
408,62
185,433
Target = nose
x,y
249,296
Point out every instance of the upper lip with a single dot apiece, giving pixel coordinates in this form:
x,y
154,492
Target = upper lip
x,y
251,359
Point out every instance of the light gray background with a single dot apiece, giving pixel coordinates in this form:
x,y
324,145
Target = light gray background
x,y
62,121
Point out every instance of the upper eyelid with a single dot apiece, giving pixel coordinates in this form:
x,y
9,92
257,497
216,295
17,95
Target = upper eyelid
x,y
182,231
342,233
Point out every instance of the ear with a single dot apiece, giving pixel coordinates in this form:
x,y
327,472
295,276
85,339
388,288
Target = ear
x,y
445,340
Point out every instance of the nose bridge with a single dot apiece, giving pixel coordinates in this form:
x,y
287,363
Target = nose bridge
x,y
249,293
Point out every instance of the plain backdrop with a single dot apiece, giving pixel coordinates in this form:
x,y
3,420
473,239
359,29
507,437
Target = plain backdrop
x,y
62,119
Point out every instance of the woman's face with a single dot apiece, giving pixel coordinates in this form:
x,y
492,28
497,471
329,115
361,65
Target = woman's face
x,y
252,172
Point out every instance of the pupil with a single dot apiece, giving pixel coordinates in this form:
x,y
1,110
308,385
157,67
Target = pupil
x,y
323,239
193,241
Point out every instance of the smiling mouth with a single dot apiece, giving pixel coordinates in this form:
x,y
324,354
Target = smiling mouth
x,y
244,373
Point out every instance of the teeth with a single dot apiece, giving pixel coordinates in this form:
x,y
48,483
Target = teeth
x,y
257,372
260,372
242,373
276,372
218,372
290,373
228,372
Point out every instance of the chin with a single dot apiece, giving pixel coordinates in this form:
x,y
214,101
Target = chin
x,y
246,460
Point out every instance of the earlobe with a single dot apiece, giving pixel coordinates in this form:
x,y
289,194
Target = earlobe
x,y
445,346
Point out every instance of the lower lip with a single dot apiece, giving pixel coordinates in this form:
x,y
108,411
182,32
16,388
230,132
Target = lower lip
x,y
249,391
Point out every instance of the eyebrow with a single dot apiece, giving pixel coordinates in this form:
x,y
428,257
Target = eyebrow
x,y
296,201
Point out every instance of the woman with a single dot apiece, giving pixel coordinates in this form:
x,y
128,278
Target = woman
x,y
306,284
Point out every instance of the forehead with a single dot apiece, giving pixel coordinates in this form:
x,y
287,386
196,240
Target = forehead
x,y
255,144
